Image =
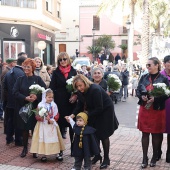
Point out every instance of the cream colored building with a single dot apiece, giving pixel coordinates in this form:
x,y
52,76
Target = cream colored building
x,y
23,23
67,39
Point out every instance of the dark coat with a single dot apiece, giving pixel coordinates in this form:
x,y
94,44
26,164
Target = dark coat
x,y
159,102
125,77
3,97
21,91
90,145
9,82
117,58
100,111
61,95
103,84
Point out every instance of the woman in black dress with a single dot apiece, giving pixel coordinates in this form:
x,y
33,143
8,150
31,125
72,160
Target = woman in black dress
x,y
99,106
22,95
62,97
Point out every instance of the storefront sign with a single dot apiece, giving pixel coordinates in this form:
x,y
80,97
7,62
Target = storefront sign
x,y
44,37
14,32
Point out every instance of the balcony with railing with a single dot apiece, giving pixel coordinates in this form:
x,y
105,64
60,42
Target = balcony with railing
x,y
20,3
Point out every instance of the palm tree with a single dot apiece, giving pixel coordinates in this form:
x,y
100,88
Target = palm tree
x,y
106,42
153,11
145,31
112,4
94,50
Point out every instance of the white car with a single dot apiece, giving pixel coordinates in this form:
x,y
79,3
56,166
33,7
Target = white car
x,y
81,61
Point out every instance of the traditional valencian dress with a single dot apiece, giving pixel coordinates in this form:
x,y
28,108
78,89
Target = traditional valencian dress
x,y
47,139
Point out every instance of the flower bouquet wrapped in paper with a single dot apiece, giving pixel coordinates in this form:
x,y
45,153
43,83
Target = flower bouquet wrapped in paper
x,y
159,89
26,111
113,83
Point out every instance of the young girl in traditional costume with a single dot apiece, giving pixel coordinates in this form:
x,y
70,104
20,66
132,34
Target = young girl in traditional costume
x,y
47,138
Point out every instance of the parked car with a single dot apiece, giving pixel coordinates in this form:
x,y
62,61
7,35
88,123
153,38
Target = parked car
x,y
81,61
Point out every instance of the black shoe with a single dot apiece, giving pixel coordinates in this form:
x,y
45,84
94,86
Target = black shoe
x,y
1,118
10,141
96,158
105,163
153,162
144,163
61,153
159,153
64,135
34,155
168,157
44,159
59,158
24,152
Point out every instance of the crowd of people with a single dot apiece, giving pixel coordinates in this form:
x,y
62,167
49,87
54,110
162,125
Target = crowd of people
x,y
88,112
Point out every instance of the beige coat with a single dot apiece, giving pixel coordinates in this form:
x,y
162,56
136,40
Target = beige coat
x,y
44,75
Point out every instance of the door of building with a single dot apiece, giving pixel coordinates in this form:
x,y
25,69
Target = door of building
x,y
62,48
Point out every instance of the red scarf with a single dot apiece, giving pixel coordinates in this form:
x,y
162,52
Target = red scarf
x,y
65,70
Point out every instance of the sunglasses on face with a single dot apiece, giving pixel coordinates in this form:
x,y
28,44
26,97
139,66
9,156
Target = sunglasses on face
x,y
148,65
62,59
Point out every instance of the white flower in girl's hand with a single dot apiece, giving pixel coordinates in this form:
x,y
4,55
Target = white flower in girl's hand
x,y
42,111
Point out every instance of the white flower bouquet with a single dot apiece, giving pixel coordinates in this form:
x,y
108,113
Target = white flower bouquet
x,y
159,89
36,89
69,85
42,112
26,111
113,82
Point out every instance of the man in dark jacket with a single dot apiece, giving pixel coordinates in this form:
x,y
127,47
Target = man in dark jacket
x,y
117,58
102,58
9,82
125,82
11,62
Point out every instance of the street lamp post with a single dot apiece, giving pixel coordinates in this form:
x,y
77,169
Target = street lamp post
x,y
93,45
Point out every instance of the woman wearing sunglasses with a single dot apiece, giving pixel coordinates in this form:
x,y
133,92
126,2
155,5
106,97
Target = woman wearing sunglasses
x,y
151,120
62,97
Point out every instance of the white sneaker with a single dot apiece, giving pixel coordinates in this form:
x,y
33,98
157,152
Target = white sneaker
x,y
124,100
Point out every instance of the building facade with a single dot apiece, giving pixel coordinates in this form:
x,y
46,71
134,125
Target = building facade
x,y
93,26
26,25
67,39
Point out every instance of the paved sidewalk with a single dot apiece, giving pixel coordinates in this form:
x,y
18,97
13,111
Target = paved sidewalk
x,y
125,154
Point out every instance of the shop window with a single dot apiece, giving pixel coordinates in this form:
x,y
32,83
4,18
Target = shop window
x,y
49,6
48,51
12,48
96,22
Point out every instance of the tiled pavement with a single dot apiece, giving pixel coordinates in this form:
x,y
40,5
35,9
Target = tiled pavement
x,y
125,154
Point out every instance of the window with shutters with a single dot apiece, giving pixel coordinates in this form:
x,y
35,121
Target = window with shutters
x,y
125,42
96,22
